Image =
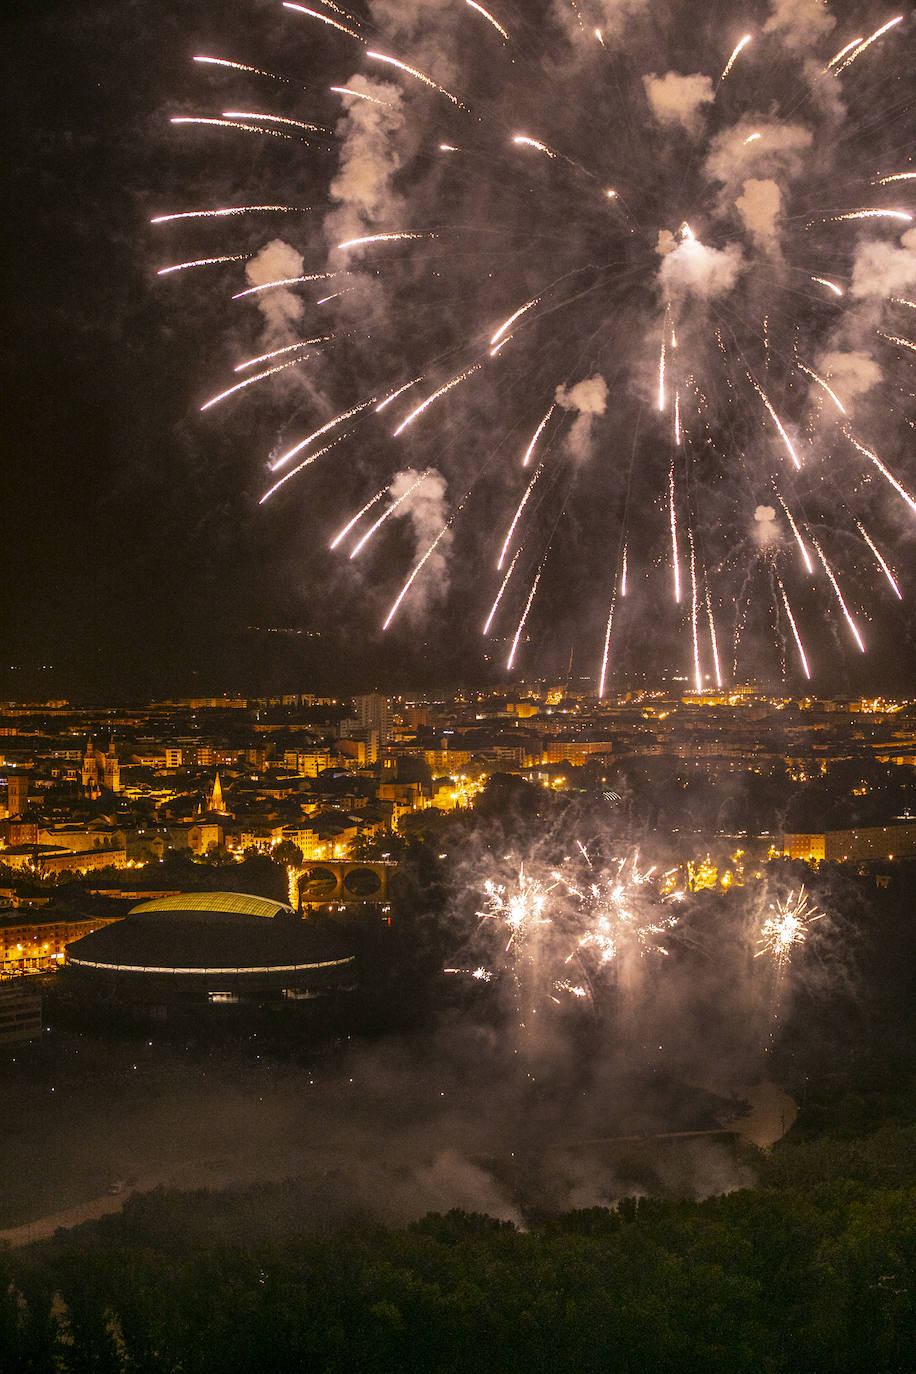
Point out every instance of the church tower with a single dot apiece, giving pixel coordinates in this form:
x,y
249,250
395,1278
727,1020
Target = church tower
x,y
215,800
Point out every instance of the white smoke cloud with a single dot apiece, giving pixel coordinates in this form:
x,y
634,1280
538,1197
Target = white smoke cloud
x,y
666,243
369,159
759,206
677,99
759,147
694,269
882,269
850,373
432,28
765,531
589,398
281,309
427,509
799,23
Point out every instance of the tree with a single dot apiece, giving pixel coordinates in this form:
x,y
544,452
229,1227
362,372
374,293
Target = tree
x,y
287,853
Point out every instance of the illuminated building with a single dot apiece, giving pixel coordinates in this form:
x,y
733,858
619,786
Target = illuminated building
x,y
865,842
100,769
17,797
203,952
38,944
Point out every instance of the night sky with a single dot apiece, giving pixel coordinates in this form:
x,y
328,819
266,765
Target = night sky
x,y
139,558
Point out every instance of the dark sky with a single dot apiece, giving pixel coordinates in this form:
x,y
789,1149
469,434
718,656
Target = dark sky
x,y
139,559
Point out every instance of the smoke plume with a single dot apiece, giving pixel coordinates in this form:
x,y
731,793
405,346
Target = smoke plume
x,y
677,99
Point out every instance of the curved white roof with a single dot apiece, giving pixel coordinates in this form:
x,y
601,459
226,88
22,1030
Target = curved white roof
x,y
214,901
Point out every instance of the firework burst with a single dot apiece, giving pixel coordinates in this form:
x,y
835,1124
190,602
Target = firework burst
x,y
671,263
786,927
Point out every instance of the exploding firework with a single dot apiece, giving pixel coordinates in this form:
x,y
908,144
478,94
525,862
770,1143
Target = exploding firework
x,y
584,915
786,927
522,909
665,266
618,908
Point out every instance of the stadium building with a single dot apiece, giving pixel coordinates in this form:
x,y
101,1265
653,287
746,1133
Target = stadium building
x,y
202,954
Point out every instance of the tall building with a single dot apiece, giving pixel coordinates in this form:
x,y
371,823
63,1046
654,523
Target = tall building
x,y
101,769
374,713
17,796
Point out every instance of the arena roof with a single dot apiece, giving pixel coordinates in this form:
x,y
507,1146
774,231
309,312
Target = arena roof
x,y
214,901
202,932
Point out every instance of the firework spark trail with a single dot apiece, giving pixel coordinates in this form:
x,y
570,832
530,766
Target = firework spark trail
x,y
787,927
275,119
276,353
884,567
607,649
672,517
231,210
740,46
228,124
623,572
390,511
201,262
250,381
424,405
241,67
419,567
393,395
897,339
839,595
713,639
525,141
517,516
282,281
487,15
420,76
325,19
521,623
775,418
821,383
895,176
842,53
306,462
316,434
795,531
356,518
359,95
677,418
902,215
885,472
694,615
534,438
831,285
512,318
801,648
891,23
383,238
499,594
